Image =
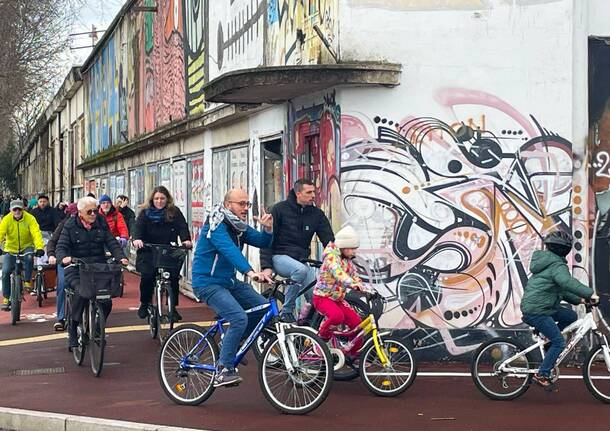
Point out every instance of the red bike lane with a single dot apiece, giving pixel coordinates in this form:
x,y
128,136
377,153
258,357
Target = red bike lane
x,y
40,374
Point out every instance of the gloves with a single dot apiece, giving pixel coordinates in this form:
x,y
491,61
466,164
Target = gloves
x,y
39,253
123,242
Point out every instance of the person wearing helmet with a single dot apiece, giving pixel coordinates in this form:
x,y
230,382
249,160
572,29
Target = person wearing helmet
x,y
337,274
551,283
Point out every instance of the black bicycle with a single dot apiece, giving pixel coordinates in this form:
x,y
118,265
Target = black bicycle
x,y
17,285
167,260
99,283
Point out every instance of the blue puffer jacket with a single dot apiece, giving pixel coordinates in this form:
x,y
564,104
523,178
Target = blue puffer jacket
x,y
217,258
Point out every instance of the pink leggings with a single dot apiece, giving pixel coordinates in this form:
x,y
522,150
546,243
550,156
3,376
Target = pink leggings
x,y
336,313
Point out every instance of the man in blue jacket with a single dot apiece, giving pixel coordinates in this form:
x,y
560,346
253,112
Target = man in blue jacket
x,y
217,258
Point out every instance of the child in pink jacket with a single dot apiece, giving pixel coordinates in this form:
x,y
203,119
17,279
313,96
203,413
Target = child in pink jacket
x,y
336,275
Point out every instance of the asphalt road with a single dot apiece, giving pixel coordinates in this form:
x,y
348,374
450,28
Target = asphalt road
x,y
129,388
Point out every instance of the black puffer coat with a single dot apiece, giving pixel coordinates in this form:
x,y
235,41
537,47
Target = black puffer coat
x,y
164,232
294,226
89,245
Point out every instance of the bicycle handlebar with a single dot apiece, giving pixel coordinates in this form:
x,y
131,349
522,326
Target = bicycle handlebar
x,y
27,253
171,246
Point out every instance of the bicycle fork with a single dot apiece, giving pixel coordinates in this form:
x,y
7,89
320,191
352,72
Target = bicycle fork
x,y
289,354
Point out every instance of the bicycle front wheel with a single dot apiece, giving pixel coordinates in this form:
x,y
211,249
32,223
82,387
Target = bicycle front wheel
x,y
306,386
496,384
165,323
597,375
394,377
97,338
153,321
39,289
181,383
16,286
78,353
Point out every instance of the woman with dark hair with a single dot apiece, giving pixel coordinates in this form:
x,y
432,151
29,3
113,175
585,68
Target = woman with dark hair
x,y
160,222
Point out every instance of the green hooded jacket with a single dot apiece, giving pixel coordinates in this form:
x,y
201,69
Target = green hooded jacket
x,y
550,283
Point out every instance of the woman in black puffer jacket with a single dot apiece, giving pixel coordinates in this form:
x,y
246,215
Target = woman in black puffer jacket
x,y
161,222
85,236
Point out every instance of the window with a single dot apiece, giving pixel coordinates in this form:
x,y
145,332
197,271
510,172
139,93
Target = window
x,y
230,170
272,172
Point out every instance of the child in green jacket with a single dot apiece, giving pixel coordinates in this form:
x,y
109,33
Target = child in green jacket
x,y
551,283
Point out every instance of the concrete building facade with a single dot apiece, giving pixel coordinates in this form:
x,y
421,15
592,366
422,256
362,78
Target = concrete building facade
x,y
451,134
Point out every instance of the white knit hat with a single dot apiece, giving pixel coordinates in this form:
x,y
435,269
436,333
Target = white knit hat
x,y
347,238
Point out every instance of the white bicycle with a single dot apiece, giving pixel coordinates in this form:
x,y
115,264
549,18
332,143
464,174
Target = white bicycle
x,y
502,369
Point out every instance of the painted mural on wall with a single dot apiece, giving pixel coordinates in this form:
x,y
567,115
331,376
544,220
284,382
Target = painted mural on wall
x,y
195,30
450,211
292,33
314,148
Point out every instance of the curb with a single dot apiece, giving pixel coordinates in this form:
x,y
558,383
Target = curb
x,y
30,420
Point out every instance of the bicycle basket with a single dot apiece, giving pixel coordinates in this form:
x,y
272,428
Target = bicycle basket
x,y
168,258
99,280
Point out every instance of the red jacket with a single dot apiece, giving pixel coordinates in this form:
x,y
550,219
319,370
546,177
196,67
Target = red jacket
x,y
116,223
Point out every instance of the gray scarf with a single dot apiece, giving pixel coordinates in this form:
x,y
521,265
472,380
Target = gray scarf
x,y
219,214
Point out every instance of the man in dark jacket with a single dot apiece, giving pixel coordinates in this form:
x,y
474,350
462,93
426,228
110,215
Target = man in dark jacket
x,y
122,203
46,216
85,236
295,221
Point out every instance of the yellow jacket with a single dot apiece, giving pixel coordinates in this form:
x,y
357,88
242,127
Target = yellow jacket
x,y
17,235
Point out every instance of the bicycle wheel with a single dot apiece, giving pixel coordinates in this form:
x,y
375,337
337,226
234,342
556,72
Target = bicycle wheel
x,y
78,353
153,325
307,386
396,376
596,374
183,385
39,289
495,384
97,338
16,286
164,307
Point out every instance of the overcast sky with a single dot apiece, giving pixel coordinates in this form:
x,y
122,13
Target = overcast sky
x,y
99,13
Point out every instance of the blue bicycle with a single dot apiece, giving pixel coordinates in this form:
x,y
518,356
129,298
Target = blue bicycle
x,y
295,368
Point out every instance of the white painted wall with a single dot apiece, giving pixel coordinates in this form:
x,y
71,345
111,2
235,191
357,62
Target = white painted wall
x,y
599,17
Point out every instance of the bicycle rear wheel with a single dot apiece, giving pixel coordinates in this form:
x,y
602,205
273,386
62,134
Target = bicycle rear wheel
x,y
307,386
396,376
596,374
16,287
40,294
183,385
501,385
164,307
97,338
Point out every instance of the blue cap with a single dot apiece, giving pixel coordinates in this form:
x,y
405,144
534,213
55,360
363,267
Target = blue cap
x,y
105,198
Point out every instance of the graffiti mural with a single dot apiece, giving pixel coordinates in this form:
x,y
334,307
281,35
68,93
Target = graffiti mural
x,y
106,101
236,35
195,26
292,31
451,210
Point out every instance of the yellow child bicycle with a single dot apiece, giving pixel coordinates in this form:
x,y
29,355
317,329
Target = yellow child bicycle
x,y
387,364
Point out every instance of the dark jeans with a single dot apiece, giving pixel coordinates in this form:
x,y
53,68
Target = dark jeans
x,y
546,325
8,264
230,303
147,287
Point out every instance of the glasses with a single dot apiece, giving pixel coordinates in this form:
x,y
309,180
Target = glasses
x,y
17,209
243,204
91,211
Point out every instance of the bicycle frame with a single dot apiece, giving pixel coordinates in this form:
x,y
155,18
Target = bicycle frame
x,y
580,328
365,327
217,328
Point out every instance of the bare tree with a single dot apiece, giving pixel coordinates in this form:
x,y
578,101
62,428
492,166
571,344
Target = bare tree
x,y
32,47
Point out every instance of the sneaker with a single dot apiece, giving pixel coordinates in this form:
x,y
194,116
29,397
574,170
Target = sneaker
x,y
545,382
6,304
143,311
227,377
60,325
287,318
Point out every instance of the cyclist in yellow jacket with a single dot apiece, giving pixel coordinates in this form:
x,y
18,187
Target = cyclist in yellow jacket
x,y
19,233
